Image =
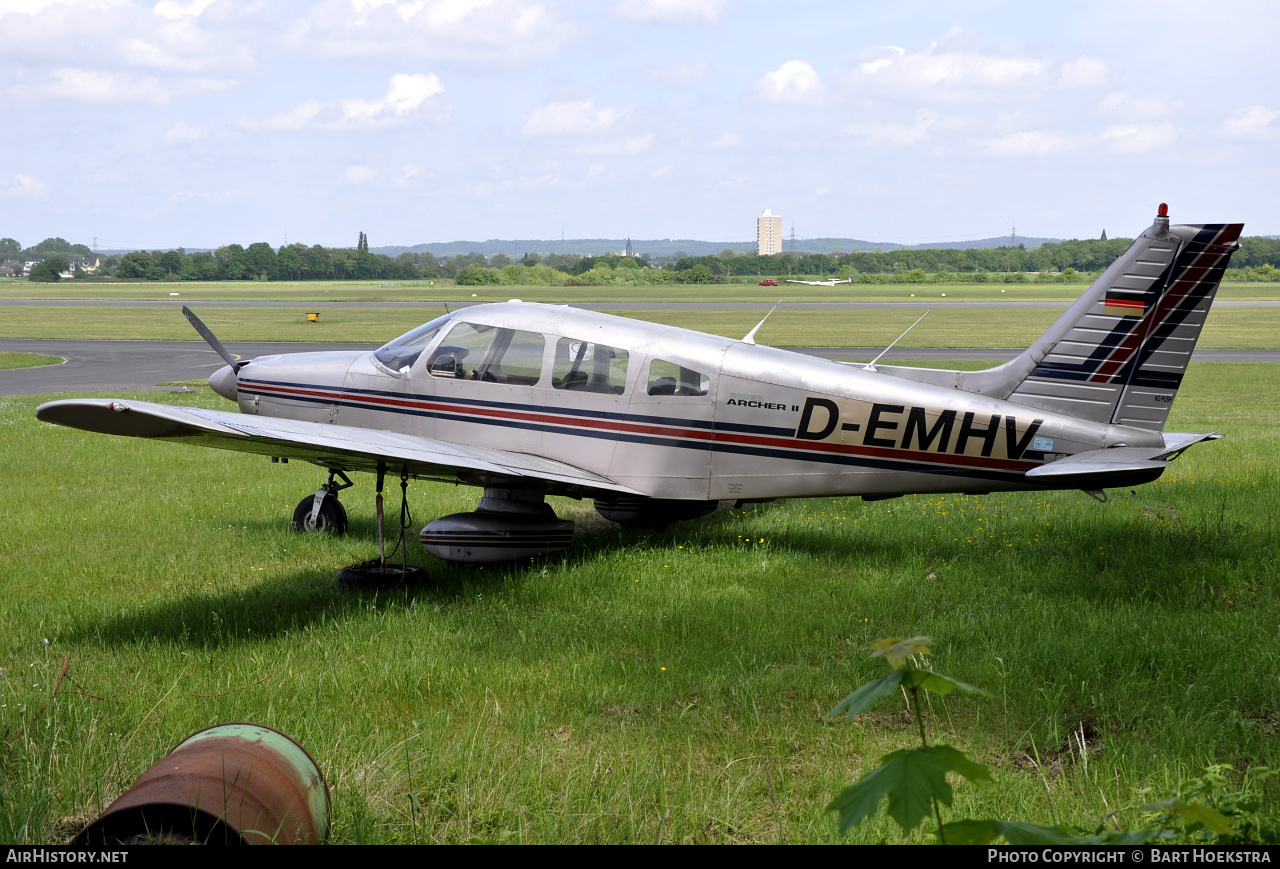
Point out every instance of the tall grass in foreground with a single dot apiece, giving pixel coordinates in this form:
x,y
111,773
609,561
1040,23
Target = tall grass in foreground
x,y
645,687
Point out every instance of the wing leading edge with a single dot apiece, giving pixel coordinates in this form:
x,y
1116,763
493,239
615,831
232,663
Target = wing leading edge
x,y
333,446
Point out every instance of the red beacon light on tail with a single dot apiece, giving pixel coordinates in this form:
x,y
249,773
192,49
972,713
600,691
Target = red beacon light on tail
x,y
1163,210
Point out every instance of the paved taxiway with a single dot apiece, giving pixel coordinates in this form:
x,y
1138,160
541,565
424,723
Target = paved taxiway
x,y
100,366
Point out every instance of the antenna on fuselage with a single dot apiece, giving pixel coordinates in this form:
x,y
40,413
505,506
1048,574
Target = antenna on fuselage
x,y
871,366
751,336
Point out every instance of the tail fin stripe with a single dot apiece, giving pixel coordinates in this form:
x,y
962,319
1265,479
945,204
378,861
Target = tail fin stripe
x,y
1200,271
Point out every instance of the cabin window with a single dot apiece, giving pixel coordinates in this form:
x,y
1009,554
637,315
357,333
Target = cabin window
x,y
668,378
400,354
490,354
586,367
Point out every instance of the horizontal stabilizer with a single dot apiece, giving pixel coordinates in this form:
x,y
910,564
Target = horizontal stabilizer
x,y
331,446
1097,465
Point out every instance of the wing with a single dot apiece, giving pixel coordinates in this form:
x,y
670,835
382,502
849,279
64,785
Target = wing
x,y
332,446
810,283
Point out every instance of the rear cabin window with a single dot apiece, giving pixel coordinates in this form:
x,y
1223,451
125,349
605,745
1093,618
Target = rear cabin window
x,y
586,367
400,354
489,354
668,378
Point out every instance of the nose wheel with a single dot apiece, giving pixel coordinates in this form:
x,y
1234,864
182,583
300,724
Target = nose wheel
x,y
323,512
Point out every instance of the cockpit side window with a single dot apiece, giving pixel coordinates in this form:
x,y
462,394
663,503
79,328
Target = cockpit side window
x,y
587,367
668,378
489,354
400,354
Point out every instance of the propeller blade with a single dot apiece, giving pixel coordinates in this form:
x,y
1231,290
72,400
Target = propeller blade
x,y
212,339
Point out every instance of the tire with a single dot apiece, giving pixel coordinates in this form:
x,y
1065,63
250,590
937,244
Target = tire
x,y
370,575
332,518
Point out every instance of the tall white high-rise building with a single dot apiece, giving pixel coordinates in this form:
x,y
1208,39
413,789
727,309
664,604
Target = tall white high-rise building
x,y
768,233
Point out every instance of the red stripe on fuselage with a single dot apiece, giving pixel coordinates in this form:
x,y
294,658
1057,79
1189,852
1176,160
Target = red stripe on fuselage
x,y
667,431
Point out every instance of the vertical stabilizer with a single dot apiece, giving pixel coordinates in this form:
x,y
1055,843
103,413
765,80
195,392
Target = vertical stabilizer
x,y
1123,358
1119,353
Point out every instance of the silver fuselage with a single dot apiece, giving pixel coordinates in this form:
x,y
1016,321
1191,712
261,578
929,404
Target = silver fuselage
x,y
772,424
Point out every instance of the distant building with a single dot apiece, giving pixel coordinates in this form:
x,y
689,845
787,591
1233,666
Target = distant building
x,y
10,267
28,265
1104,235
86,264
768,233
629,251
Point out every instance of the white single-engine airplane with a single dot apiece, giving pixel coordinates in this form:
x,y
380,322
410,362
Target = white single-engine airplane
x,y
830,283
659,424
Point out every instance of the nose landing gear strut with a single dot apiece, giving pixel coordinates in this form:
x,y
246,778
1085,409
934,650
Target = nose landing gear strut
x,y
322,512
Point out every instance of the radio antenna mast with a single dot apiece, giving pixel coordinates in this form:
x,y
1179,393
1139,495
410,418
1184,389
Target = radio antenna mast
x,y
871,366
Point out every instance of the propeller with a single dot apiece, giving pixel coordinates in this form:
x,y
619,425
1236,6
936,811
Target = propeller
x,y
212,339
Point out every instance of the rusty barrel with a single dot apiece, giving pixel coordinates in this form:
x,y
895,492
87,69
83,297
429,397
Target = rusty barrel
x,y
229,784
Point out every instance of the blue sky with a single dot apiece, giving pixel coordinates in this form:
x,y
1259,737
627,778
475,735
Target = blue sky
x,y
204,122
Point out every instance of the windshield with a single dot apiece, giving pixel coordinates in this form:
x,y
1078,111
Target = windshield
x,y
400,354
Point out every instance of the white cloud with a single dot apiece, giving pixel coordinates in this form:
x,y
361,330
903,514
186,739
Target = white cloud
x,y
661,171
131,37
725,142
406,96
479,33
536,182
31,7
1028,143
794,82
1136,138
678,12
1082,72
101,86
680,74
626,148
25,187
359,174
565,119
408,173
1127,105
1250,123
173,9
938,73
894,134
182,133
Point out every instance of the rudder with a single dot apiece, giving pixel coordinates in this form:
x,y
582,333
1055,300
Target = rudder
x,y
1119,353
1122,357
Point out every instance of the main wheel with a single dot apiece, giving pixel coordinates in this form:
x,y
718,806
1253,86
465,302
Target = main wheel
x,y
371,575
332,517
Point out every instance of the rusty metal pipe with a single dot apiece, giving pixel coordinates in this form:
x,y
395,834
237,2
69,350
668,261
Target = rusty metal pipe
x,y
229,784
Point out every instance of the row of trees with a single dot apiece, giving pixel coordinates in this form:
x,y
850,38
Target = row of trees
x,y
1257,260
10,249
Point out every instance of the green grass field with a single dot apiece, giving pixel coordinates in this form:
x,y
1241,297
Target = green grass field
x,y
1245,328
26,360
342,291
647,686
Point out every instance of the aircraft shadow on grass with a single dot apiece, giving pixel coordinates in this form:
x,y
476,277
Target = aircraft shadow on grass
x,y
296,600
